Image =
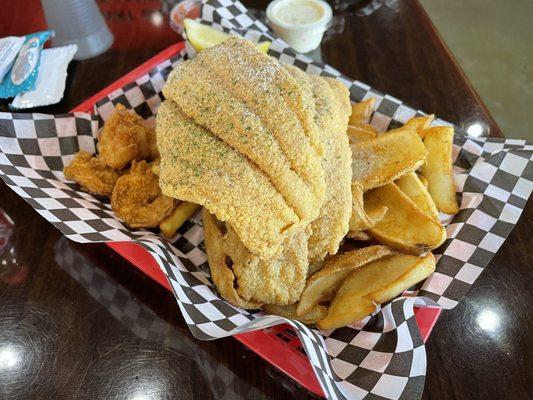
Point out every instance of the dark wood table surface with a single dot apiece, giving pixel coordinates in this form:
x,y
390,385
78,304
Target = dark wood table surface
x,y
59,339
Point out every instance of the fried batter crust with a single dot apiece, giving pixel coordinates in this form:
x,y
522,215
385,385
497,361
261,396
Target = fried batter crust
x,y
137,198
91,174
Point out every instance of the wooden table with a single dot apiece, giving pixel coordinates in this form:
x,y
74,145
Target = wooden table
x,y
58,341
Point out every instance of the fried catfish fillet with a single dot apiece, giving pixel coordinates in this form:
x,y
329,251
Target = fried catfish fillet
x,y
202,96
137,198
91,174
197,166
253,104
219,264
332,104
278,280
125,138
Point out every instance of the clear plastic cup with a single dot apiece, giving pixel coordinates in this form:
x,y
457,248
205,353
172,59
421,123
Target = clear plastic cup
x,y
78,22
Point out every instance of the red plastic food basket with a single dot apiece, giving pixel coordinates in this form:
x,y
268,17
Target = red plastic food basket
x,y
279,345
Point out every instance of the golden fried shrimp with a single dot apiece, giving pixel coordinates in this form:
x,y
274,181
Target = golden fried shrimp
x,y
137,198
91,174
125,138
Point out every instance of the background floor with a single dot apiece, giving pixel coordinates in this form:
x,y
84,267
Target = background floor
x,y
493,42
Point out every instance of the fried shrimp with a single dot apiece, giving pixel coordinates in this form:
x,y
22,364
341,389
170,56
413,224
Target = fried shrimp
x,y
126,138
91,174
137,198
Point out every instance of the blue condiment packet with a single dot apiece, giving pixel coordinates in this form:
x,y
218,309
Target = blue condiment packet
x,y
23,74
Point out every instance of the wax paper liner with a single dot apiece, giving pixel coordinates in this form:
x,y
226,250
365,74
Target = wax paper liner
x,y
380,357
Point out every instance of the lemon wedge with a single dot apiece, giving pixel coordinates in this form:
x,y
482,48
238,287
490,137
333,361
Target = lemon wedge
x,y
263,46
203,36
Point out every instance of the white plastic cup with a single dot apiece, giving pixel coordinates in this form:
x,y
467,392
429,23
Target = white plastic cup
x,y
302,35
78,22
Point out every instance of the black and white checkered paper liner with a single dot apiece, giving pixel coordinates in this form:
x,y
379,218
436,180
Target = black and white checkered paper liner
x,y
380,357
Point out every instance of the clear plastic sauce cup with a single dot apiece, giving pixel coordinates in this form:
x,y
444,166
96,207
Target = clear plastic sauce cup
x,y
300,23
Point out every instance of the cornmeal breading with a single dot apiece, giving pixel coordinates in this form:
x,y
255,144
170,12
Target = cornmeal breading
x,y
254,71
264,148
199,167
308,99
279,280
332,106
202,96
219,262
273,95
342,96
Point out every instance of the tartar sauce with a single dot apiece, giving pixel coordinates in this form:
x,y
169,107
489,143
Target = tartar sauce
x,y
300,23
299,12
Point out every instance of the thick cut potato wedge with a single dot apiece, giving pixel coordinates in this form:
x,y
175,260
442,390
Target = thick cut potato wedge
x,y
221,273
423,268
361,218
346,311
361,132
381,160
323,285
438,169
375,283
405,226
311,317
420,124
362,111
181,213
416,191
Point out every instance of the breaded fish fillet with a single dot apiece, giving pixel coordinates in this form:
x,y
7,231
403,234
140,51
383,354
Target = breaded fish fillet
x,y
255,67
271,93
279,280
199,167
342,96
332,104
221,273
202,96
307,95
